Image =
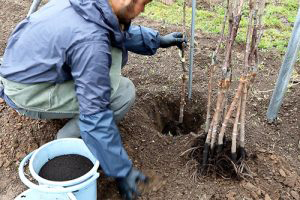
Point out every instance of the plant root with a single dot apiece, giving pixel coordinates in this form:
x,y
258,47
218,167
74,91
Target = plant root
x,y
205,154
219,164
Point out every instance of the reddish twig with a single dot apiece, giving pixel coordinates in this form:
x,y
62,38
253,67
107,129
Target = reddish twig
x,y
184,70
228,114
214,121
254,34
207,122
235,14
212,69
217,118
235,130
243,114
234,22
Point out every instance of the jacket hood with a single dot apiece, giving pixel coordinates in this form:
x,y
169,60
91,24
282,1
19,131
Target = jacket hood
x,y
101,13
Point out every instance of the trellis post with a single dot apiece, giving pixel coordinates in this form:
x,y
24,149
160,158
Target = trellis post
x,y
285,72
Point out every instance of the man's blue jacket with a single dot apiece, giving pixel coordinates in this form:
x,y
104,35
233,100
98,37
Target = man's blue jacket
x,y
71,40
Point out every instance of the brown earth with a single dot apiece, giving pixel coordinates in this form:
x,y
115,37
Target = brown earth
x,y
275,166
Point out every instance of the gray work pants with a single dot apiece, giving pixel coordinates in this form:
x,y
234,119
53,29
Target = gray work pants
x,y
120,104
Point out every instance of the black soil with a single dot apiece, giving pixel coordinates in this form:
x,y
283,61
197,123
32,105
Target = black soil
x,y
66,167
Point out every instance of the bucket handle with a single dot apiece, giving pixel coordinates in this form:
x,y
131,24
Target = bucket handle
x,y
46,188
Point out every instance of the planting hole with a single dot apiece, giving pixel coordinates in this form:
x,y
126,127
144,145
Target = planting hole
x,y
164,112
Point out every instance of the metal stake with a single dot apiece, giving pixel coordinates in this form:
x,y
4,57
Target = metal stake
x,y
285,72
191,60
34,6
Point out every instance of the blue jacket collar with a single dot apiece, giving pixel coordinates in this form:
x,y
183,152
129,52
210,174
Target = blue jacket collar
x,y
101,13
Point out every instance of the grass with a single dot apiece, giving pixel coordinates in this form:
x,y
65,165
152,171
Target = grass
x,y
278,20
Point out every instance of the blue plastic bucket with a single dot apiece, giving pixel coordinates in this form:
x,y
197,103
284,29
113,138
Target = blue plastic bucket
x,y
84,187
32,194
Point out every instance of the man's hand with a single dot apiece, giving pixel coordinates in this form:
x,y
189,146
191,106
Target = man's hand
x,y
172,39
128,185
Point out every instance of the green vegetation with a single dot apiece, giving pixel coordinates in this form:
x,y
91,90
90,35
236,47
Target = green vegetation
x,y
278,20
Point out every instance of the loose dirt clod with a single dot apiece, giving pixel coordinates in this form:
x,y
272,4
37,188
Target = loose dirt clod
x,y
295,195
290,181
66,167
282,173
267,197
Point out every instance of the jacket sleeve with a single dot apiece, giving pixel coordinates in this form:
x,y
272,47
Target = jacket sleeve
x,y
142,40
90,63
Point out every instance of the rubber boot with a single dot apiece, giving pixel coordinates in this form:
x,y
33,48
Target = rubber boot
x,y
70,130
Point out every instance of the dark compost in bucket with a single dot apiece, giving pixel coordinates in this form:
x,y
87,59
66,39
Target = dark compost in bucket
x,y
66,167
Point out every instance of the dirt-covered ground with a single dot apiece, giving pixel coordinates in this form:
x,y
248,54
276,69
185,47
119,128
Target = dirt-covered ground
x,y
275,149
